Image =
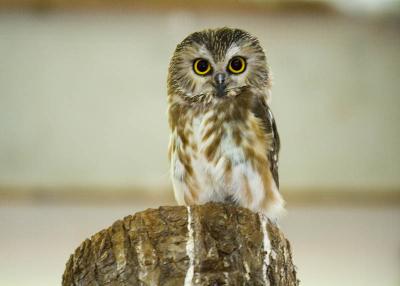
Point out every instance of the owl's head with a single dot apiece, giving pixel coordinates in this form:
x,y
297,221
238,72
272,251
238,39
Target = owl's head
x,y
217,64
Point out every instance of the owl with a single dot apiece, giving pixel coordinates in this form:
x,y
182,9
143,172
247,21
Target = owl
x,y
224,142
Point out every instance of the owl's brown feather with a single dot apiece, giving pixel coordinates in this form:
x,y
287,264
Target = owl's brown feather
x,y
262,111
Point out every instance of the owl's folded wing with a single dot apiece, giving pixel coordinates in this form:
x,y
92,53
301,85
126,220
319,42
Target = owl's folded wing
x,y
262,111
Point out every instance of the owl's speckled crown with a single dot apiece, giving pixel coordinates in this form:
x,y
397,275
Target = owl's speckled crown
x,y
218,41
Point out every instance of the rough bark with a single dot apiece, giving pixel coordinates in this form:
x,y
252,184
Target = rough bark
x,y
212,244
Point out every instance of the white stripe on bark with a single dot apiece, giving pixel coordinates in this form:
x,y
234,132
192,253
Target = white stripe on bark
x,y
266,247
189,249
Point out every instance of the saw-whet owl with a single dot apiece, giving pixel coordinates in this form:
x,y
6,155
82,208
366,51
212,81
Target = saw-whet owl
x,y
224,143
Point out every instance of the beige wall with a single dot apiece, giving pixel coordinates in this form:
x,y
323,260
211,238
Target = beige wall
x,y
82,97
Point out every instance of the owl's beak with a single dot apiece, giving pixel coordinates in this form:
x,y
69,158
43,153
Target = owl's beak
x,y
220,85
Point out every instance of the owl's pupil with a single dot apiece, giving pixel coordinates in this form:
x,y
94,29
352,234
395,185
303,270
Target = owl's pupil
x,y
202,65
236,64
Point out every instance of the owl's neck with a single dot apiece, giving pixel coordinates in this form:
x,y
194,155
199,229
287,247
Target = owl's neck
x,y
228,109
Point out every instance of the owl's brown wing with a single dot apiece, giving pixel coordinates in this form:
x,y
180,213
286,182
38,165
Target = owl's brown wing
x,y
262,111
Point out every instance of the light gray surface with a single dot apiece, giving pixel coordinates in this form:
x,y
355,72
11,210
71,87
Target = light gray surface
x,y
83,97
345,246
331,246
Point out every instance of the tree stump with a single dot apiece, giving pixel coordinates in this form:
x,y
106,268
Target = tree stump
x,y
211,244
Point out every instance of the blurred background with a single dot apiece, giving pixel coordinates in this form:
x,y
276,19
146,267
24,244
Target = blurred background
x,y
84,134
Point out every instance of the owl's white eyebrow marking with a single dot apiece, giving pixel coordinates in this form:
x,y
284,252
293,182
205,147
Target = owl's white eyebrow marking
x,y
232,51
203,52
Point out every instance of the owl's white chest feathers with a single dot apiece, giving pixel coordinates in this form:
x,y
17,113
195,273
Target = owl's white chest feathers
x,y
223,160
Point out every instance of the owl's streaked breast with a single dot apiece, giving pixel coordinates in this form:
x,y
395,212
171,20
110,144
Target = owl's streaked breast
x,y
215,157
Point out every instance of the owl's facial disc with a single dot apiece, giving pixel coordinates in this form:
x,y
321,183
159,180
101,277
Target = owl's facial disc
x,y
217,64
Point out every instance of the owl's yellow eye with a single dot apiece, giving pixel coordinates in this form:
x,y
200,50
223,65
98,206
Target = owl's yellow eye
x,y
237,65
201,67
